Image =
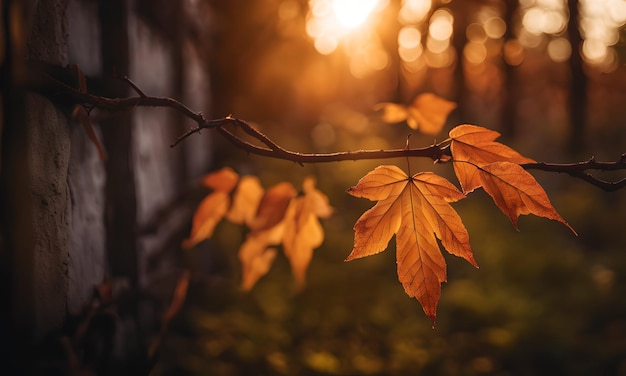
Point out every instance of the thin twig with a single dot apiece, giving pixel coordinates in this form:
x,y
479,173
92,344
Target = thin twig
x,y
130,83
437,152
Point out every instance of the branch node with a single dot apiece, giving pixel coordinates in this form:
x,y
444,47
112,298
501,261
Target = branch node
x,y
130,83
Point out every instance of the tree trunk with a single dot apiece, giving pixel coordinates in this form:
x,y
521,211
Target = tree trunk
x,y
509,102
578,84
117,131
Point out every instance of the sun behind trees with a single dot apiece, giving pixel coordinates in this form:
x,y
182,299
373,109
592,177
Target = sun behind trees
x,y
416,208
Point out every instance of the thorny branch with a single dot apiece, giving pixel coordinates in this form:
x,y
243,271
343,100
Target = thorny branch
x,y
438,152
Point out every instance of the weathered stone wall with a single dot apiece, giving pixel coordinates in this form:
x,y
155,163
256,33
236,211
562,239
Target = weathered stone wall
x,y
75,244
49,154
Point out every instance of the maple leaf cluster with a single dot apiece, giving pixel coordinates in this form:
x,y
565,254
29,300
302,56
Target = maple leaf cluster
x,y
277,216
417,209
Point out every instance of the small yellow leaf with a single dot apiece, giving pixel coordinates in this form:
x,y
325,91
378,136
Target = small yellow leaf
x,y
299,242
208,214
391,112
246,201
258,266
253,253
304,233
428,113
223,180
273,206
318,202
180,293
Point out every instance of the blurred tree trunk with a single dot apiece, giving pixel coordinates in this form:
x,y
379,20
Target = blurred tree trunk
x,y
461,11
578,84
16,237
117,132
510,98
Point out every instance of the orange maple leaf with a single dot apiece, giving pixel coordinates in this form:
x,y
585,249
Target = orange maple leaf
x,y
515,192
213,207
417,210
479,161
304,233
427,113
476,145
268,229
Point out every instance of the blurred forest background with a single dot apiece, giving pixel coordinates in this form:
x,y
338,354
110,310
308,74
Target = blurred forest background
x,y
548,74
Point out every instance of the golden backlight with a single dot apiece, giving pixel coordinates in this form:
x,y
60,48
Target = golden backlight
x,y
350,24
330,21
352,13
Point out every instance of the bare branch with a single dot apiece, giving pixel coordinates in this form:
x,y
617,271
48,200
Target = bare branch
x,y
47,84
578,170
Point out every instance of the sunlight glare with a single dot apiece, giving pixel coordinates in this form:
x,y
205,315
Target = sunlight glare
x,y
352,13
330,21
334,23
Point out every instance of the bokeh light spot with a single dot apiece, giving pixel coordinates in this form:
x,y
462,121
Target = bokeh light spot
x,y
559,50
495,27
475,53
476,33
441,25
409,37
